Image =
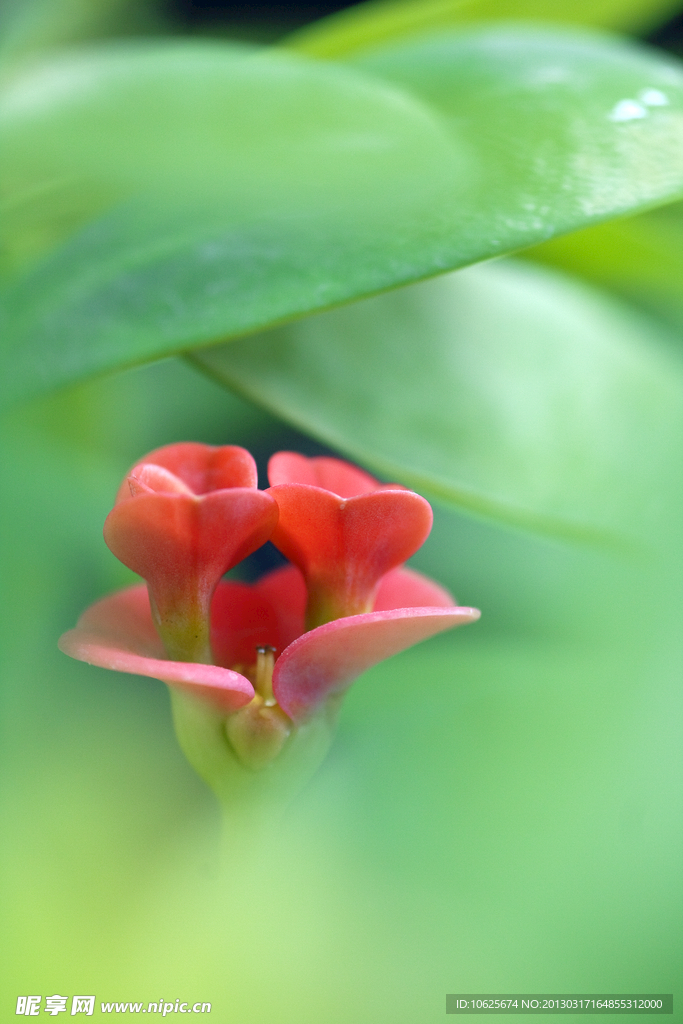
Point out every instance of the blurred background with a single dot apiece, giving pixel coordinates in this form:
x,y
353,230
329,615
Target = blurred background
x,y
259,20
270,21
501,810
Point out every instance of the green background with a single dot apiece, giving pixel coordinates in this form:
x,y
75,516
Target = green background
x,y
501,808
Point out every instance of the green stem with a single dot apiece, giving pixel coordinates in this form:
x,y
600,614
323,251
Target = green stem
x,y
327,603
252,800
184,629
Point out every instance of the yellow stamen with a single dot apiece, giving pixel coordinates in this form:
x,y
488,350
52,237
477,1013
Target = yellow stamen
x,y
265,662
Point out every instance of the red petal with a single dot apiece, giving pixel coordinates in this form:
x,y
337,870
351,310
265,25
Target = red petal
x,y
177,542
344,546
322,471
241,620
118,633
203,467
285,589
325,661
270,612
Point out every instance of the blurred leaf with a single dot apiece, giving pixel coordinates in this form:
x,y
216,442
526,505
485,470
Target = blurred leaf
x,y
220,191
639,258
31,26
504,389
370,24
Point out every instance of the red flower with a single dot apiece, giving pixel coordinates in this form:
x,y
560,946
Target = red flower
x,y
184,515
273,655
343,529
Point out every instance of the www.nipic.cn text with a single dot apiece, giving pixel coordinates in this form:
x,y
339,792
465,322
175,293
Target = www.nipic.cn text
x,y
32,1006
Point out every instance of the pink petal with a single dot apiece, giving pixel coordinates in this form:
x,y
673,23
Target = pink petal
x,y
149,478
405,588
202,467
322,471
118,633
325,661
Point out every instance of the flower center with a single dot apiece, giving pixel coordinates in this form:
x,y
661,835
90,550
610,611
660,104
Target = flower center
x,y
258,731
260,673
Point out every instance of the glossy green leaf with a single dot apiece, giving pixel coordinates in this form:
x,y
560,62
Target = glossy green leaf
x,y
504,389
559,119
179,194
370,24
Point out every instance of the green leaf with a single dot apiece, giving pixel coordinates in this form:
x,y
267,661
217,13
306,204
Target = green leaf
x,y
184,192
370,24
159,198
505,390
